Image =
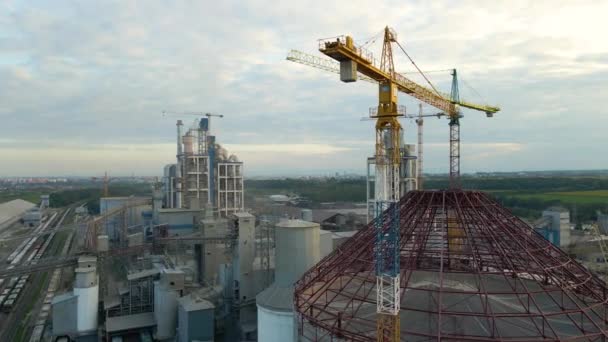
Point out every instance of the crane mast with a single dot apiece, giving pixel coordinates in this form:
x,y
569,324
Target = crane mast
x,y
419,123
455,135
387,166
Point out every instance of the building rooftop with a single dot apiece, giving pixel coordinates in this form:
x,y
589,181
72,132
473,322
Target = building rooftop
x,y
84,269
243,214
137,321
63,297
143,274
193,302
178,210
14,208
125,198
342,235
558,209
111,301
276,298
296,224
87,259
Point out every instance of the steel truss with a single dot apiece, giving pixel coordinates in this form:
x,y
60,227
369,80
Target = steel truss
x,y
469,271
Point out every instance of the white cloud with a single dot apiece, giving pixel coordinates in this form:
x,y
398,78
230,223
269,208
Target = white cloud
x,y
102,73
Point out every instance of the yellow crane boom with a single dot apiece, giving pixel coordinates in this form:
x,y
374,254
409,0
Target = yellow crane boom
x,y
330,65
355,60
350,57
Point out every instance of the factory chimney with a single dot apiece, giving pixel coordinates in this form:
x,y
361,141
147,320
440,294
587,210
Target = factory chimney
x,y
179,137
178,171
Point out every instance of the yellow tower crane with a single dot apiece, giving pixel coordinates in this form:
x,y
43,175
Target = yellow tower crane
x,y
106,181
354,60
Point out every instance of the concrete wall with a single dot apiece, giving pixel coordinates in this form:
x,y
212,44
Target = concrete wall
x,y
195,325
64,316
165,311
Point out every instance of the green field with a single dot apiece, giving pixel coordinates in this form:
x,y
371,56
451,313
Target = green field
x,y
568,197
28,195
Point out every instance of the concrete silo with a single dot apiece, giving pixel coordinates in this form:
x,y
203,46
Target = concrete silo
x,y
297,249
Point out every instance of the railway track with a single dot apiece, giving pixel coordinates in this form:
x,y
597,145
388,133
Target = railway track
x,y
20,310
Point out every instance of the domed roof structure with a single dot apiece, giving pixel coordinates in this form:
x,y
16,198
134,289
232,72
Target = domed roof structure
x,y
470,271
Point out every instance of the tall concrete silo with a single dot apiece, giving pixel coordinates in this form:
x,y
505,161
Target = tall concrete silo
x,y
297,249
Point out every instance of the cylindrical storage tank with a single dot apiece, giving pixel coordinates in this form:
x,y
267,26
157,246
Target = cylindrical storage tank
x,y
326,244
165,311
87,289
188,144
307,215
275,324
297,249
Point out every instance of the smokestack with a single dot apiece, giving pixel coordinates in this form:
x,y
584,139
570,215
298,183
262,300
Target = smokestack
x,y
179,137
179,171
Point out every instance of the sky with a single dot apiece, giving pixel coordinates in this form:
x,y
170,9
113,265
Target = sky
x,y
83,84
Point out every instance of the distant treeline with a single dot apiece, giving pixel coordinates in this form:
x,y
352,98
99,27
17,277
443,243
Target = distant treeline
x,y
528,184
533,207
90,196
505,190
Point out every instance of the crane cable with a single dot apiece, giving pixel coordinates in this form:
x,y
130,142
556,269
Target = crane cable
x,y
473,89
420,71
373,38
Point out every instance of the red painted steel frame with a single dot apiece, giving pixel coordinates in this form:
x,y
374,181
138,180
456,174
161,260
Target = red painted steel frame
x,y
470,271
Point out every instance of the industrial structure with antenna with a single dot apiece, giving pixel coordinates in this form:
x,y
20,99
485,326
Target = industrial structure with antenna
x,y
204,175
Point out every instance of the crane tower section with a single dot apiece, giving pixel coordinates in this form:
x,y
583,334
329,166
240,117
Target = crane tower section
x,y
387,170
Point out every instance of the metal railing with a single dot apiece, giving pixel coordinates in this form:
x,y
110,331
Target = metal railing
x,y
373,111
330,43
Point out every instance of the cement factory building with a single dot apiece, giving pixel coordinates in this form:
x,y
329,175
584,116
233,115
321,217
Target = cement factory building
x,y
204,175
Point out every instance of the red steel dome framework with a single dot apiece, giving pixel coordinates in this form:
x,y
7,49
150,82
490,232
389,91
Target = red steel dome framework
x,y
470,271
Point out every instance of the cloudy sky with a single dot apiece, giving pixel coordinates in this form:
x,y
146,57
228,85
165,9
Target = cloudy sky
x,y
83,84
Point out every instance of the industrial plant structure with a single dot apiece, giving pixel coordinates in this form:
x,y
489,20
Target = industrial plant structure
x,y
205,175
554,225
470,271
190,263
